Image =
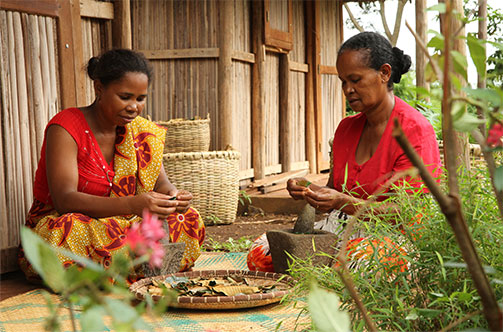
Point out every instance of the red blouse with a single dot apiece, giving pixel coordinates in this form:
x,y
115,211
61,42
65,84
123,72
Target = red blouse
x,y
95,174
389,158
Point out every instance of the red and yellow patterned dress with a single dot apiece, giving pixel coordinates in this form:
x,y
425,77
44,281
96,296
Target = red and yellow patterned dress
x,y
134,170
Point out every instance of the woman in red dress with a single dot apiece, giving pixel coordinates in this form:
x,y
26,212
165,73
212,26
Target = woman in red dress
x,y
101,166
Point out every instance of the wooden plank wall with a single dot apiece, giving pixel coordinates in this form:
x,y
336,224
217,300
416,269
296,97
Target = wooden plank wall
x,y
271,82
242,84
29,98
96,39
298,76
331,89
180,38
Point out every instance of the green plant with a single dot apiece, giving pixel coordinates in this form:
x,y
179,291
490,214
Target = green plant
x,y
96,291
244,198
436,289
213,219
242,244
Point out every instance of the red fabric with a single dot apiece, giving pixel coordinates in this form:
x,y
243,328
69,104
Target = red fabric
x,y
92,166
389,158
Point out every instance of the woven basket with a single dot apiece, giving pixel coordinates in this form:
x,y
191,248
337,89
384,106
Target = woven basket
x,y
186,135
284,285
212,178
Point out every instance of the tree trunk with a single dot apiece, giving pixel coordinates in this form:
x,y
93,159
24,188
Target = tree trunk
x,y
460,145
421,28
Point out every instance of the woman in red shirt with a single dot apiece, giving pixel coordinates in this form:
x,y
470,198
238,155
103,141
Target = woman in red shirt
x,y
365,155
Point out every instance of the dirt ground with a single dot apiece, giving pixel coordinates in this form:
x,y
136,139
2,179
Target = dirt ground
x,y
250,226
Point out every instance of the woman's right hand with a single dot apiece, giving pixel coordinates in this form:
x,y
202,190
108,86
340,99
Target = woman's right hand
x,y
296,187
160,204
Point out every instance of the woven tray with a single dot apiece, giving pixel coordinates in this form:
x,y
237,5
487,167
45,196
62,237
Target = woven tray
x,y
213,179
284,285
186,135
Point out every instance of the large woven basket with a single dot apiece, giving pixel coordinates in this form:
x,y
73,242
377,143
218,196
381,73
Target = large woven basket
x,y
212,178
186,135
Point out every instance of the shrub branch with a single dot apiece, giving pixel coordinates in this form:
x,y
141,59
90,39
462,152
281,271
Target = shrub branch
x,y
450,206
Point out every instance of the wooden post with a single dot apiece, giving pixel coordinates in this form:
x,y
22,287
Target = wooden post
x,y
310,124
258,93
225,38
121,24
71,64
317,85
286,135
482,34
421,28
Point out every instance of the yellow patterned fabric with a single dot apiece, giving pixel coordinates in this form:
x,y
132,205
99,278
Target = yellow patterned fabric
x,y
137,164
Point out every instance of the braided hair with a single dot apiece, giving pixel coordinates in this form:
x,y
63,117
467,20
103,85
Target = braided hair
x,y
378,50
114,64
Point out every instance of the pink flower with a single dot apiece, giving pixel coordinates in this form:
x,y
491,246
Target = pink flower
x,y
494,137
143,238
152,227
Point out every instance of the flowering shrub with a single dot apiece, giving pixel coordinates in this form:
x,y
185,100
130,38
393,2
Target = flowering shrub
x,y
143,238
86,284
495,136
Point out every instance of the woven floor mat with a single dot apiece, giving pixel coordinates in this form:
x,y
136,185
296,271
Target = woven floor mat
x,y
27,312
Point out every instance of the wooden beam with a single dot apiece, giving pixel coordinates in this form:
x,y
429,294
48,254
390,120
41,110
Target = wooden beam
x,y
310,104
273,169
121,25
35,7
225,36
258,93
327,70
182,53
97,9
71,64
317,85
286,138
246,174
243,56
299,67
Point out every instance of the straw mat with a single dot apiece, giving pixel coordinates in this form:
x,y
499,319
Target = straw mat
x,y
27,312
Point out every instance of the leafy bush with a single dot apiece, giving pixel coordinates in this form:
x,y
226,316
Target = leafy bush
x,y
436,289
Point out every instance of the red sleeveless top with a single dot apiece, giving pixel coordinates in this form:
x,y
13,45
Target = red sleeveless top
x,y
95,174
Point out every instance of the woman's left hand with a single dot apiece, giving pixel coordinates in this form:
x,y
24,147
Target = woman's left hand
x,y
184,199
324,199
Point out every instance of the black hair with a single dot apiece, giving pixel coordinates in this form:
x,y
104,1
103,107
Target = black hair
x,y
378,52
114,64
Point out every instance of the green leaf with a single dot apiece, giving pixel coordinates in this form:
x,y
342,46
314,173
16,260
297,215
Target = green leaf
x,y
429,313
120,311
459,64
43,259
436,42
477,53
440,8
490,96
498,178
86,262
412,315
324,309
91,320
464,121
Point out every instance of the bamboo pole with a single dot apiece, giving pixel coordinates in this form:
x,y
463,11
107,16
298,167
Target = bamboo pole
x,y
5,140
37,109
23,120
15,164
28,46
46,76
51,48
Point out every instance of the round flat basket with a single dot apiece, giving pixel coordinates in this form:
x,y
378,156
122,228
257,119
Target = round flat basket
x,y
186,135
282,285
